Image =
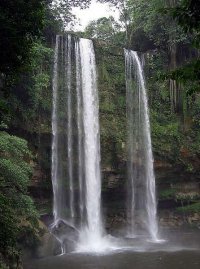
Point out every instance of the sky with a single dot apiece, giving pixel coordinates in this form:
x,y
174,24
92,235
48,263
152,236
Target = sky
x,y
94,12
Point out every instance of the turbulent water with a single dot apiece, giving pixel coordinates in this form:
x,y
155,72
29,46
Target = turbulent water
x,y
182,251
141,200
76,145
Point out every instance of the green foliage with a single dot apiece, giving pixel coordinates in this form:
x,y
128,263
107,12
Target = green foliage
x,y
188,72
62,10
158,27
40,62
124,18
112,100
17,211
193,208
187,13
167,194
20,23
31,96
166,137
103,28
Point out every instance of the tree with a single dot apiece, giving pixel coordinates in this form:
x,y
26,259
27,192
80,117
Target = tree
x,y
121,5
187,14
103,28
17,213
62,10
20,23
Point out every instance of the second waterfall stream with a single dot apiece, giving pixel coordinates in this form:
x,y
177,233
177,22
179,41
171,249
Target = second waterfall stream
x,y
141,192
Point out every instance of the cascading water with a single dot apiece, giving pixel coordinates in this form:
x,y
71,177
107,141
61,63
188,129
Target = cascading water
x,y
54,169
93,230
80,132
62,141
76,175
76,145
68,77
141,203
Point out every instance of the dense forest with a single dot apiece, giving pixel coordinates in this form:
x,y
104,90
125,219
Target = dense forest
x,y
169,40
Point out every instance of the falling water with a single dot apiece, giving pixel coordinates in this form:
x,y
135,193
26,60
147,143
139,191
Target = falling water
x,y
80,132
93,231
141,209
76,145
68,71
54,170
62,141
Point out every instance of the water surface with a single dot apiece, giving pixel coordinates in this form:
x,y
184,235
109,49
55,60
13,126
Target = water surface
x,y
180,251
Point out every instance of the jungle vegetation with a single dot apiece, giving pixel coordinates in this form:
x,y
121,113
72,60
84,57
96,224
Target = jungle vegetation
x,y
169,37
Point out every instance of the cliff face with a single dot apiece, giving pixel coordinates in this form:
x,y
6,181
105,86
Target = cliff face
x,y
175,144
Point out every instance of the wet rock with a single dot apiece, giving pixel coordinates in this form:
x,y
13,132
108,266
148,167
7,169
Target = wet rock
x,y
50,246
61,236
66,234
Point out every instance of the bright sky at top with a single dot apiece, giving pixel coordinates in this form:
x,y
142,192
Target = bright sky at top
x,y
94,12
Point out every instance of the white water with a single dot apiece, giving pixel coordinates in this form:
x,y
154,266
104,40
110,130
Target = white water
x,y
91,234
80,133
141,209
76,173
68,71
54,170
76,176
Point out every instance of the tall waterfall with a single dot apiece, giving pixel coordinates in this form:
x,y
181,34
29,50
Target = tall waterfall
x,y
141,202
76,175
68,72
93,232
54,166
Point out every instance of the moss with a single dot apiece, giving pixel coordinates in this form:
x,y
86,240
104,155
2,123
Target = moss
x,y
112,103
189,197
44,208
167,194
3,265
193,208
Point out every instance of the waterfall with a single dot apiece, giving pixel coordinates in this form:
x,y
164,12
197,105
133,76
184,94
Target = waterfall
x,y
54,169
91,137
76,176
80,132
91,235
68,72
141,202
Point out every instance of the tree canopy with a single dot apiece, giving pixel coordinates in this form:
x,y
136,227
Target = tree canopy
x,y
21,22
